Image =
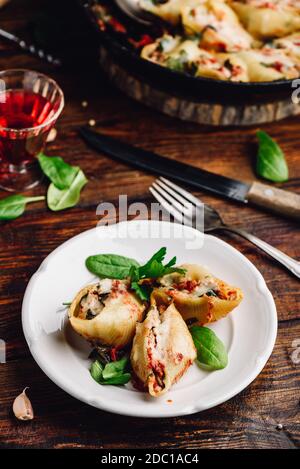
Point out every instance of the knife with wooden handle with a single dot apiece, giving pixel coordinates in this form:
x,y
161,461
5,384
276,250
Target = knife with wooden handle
x,y
271,198
278,200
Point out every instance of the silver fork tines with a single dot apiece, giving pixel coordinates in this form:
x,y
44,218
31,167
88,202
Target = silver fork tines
x,y
178,202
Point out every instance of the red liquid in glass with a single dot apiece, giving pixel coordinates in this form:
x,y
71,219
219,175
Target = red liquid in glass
x,y
21,109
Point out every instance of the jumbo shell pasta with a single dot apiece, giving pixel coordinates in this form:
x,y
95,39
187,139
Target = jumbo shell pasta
x,y
289,44
234,40
162,350
269,64
198,295
268,19
187,56
217,23
106,313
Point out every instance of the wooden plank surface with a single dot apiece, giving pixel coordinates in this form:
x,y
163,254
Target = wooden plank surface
x,y
247,421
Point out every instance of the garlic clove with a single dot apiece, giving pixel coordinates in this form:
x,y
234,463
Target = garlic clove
x,y
22,407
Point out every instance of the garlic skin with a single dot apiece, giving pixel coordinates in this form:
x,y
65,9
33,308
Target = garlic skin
x,y
22,407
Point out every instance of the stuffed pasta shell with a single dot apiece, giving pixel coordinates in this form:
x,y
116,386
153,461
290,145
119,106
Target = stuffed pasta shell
x,y
168,10
106,313
188,57
269,64
265,19
217,24
222,67
162,351
289,44
198,295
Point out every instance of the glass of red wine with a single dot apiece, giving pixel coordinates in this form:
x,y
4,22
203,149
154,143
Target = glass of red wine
x,y
30,104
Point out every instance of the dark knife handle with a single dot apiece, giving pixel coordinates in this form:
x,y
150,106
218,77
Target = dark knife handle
x,y
277,200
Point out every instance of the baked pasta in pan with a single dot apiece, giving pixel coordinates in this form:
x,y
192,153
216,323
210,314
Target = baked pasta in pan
x,y
217,24
269,64
188,57
290,45
246,30
162,350
266,19
106,313
198,295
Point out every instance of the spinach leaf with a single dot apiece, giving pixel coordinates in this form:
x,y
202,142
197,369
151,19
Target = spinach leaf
x,y
110,265
58,199
211,352
117,379
13,206
114,368
113,372
271,163
96,370
61,174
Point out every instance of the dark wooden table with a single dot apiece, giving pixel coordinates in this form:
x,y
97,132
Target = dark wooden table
x,y
250,419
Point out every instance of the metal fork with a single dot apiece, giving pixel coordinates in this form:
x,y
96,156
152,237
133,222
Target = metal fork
x,y
181,204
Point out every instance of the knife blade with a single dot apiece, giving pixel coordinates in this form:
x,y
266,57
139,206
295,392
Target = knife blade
x,y
281,201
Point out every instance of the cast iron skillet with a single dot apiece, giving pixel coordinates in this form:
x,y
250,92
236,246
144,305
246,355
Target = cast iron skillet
x,y
183,85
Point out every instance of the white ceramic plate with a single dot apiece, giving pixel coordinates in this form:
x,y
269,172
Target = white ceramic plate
x,y
249,332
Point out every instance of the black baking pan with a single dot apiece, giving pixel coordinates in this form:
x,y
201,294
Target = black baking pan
x,y
180,84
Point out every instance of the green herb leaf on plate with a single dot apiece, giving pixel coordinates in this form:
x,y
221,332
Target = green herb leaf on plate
x,y
142,291
271,163
211,352
115,368
96,370
113,373
14,206
58,199
110,265
117,379
60,173
153,269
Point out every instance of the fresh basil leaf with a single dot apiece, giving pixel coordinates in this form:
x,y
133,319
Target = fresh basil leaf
x,y
61,199
60,173
110,265
158,257
154,268
211,352
96,371
117,379
14,206
142,291
271,163
115,368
